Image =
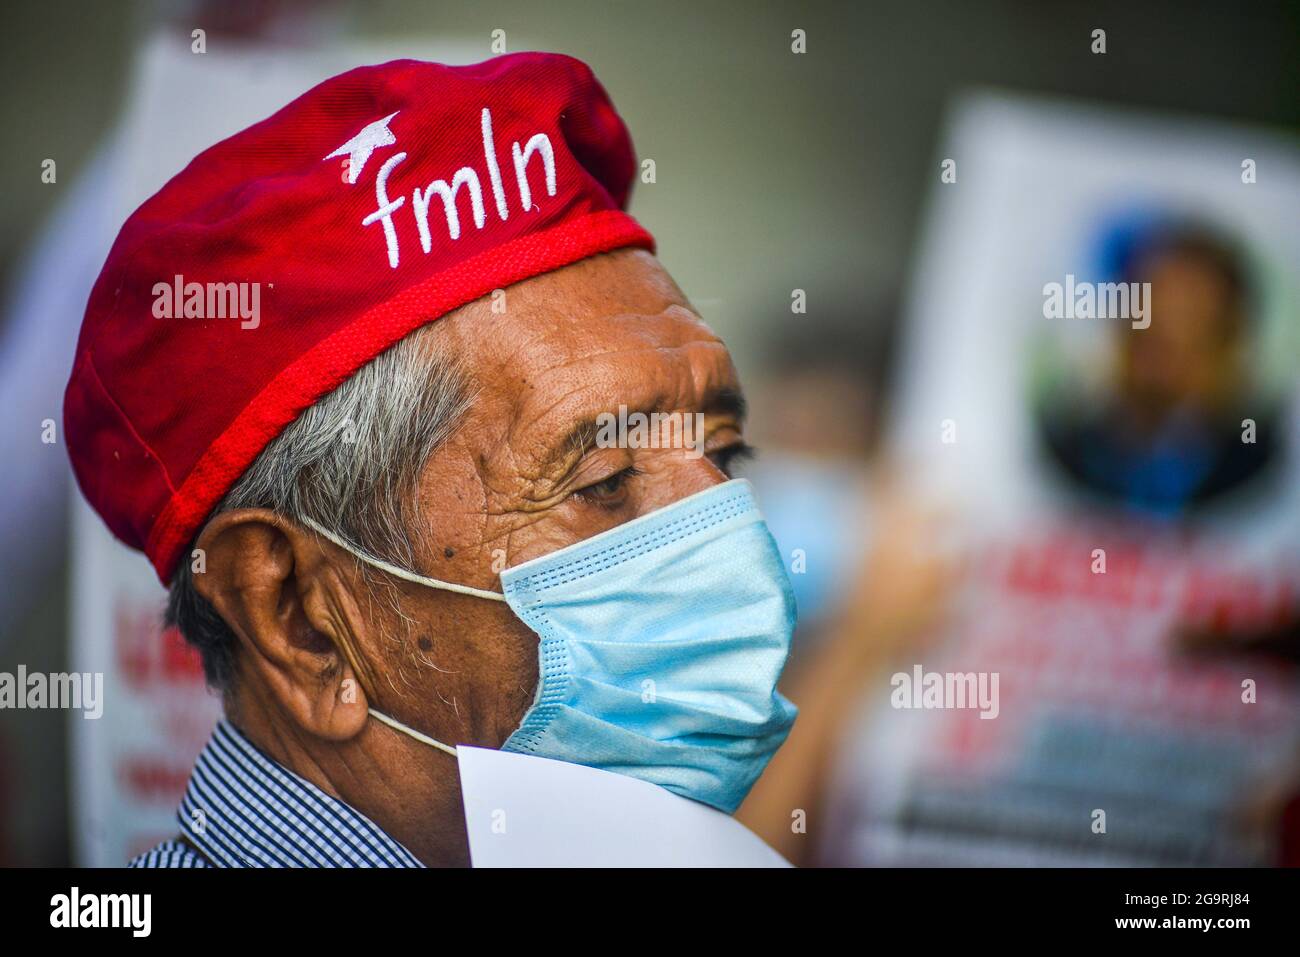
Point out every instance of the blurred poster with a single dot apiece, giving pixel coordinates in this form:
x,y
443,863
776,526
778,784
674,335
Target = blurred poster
x,y
131,765
1101,375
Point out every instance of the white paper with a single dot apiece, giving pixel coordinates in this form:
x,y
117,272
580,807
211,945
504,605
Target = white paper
x,y
524,811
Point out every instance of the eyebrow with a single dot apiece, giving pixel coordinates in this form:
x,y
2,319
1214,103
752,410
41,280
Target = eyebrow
x,y
578,440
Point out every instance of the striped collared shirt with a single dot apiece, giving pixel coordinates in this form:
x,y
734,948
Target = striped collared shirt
x,y
242,809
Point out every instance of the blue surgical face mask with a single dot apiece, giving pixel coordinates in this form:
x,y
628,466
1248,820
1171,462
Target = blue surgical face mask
x,y
661,642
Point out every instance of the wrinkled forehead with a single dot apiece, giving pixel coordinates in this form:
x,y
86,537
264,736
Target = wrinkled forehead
x,y
612,313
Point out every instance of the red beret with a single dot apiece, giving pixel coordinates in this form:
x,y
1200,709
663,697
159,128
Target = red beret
x,y
284,258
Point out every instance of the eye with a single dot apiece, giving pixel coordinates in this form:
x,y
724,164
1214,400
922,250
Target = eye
x,y
609,492
726,460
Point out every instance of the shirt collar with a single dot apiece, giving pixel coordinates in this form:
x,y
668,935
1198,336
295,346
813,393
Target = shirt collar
x,y
243,809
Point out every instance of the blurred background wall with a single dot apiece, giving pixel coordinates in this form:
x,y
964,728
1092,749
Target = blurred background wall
x,y
774,171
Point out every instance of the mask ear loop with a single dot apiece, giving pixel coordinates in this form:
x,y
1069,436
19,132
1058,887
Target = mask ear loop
x,y
402,573
423,738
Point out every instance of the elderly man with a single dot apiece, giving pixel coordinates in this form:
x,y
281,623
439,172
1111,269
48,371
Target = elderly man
x,y
389,535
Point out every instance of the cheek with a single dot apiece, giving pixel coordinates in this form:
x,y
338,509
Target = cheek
x,y
478,675
669,475
498,675
568,522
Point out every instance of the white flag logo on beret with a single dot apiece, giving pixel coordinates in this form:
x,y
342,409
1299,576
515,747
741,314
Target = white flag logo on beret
x,y
359,148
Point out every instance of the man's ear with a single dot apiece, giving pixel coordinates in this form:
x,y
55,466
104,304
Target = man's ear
x,y
294,616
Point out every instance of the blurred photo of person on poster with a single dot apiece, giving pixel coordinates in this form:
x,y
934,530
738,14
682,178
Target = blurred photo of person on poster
x,y
1182,427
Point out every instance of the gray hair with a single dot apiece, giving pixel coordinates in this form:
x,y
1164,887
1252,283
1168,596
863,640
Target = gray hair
x,y
350,463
